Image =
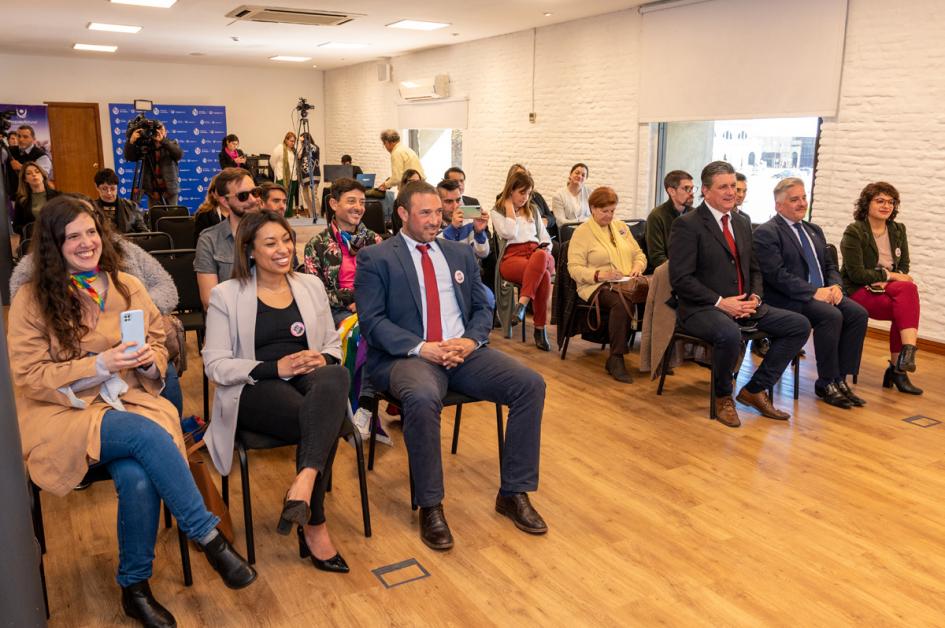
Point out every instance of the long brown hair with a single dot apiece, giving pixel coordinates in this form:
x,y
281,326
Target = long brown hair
x,y
250,224
23,190
60,304
518,180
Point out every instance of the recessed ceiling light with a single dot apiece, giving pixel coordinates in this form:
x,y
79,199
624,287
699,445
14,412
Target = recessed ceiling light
x,y
548,13
418,25
314,66
161,4
112,28
341,45
95,48
289,58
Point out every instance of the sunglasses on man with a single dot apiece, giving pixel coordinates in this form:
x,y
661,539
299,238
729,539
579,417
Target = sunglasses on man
x,y
243,196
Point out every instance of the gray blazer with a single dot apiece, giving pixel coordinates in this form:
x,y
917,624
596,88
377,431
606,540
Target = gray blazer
x,y
229,350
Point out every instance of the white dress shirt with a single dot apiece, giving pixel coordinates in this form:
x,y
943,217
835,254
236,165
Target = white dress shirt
x,y
791,224
451,317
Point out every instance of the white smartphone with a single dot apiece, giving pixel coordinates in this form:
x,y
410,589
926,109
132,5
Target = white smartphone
x,y
132,329
471,211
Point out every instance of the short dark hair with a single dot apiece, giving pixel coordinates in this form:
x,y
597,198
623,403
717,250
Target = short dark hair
x,y
106,176
268,187
740,177
862,206
346,158
450,185
340,187
587,170
446,175
674,178
26,127
228,176
229,138
714,168
409,172
410,190
250,224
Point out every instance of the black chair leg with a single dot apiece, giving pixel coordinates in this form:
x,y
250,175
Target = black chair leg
x,y
712,414
225,490
456,420
247,505
413,496
362,481
664,363
328,486
167,516
797,373
184,557
38,526
374,420
500,431
206,382
42,580
564,347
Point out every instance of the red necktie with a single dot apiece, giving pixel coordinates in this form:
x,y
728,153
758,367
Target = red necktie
x,y
434,327
733,249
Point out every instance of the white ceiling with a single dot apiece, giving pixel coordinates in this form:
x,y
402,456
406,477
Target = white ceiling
x,y
51,27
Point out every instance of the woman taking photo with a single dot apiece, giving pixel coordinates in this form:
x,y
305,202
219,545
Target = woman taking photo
x,y
570,203
32,193
601,251
876,275
526,260
274,354
231,156
284,165
86,398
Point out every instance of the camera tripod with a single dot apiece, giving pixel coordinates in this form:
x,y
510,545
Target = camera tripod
x,y
145,163
304,164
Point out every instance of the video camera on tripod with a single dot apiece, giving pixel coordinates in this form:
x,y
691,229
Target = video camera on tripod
x,y
303,107
148,127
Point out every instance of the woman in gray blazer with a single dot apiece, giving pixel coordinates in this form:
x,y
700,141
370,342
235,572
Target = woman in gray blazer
x,y
274,354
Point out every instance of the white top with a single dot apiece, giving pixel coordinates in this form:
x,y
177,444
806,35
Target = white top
x,y
518,230
570,208
451,318
275,163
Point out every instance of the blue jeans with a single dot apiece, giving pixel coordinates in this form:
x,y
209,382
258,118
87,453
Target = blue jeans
x,y
147,468
172,391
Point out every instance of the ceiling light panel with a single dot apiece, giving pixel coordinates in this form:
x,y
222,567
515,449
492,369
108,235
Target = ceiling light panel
x,y
290,58
95,48
161,4
341,45
418,25
112,28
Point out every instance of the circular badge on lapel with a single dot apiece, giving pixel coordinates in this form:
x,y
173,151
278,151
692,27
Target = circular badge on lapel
x,y
297,329
459,276
898,252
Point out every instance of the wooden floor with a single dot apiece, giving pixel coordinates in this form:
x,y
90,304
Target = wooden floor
x,y
657,516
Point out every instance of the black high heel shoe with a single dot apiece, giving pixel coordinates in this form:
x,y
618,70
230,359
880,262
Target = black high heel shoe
x,y
295,512
894,376
518,316
906,359
335,564
541,340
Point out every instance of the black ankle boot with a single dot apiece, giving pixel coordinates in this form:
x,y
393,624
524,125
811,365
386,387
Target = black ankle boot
x,y
906,359
899,379
138,603
541,340
618,369
233,568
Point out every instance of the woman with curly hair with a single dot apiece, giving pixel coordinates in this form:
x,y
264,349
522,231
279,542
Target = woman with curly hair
x,y
876,275
87,399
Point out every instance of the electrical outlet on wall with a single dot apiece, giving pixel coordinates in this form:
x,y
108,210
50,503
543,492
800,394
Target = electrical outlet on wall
x,y
532,117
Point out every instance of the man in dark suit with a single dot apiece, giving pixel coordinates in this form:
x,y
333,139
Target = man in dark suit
x,y
678,186
800,276
426,316
718,287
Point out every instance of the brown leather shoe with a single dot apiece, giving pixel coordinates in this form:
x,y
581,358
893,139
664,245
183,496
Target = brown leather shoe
x,y
762,403
725,412
519,509
434,531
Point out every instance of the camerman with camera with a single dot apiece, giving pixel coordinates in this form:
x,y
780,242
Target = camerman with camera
x,y
148,143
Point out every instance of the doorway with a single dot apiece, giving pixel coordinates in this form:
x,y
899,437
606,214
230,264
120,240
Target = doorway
x,y
76,138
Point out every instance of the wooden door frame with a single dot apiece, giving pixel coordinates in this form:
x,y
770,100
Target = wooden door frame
x,y
98,125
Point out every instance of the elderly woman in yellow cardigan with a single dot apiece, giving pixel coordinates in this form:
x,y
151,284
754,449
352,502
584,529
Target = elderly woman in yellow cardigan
x,y
600,252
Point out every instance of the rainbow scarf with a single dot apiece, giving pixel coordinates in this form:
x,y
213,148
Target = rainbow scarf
x,y
83,282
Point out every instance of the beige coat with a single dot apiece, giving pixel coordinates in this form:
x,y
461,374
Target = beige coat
x,y
59,441
586,256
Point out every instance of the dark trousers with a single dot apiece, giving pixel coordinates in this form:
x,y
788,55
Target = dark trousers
x,y
839,331
788,332
309,410
618,321
487,375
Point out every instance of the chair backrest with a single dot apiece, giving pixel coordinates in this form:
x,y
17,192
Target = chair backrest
x,y
150,240
179,263
23,248
160,211
566,230
833,255
373,217
638,231
28,230
181,229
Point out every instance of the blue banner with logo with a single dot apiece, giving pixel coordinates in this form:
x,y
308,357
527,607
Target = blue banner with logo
x,y
36,117
198,129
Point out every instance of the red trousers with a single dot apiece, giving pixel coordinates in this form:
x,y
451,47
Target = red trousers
x,y
531,268
899,304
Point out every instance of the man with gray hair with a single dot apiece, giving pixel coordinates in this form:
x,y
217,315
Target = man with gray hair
x,y
401,158
718,288
800,275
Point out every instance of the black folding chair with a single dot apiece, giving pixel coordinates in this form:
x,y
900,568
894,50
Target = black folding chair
x,y
151,240
373,217
179,263
160,211
181,229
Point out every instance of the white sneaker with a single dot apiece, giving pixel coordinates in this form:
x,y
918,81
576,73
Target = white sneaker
x,y
362,421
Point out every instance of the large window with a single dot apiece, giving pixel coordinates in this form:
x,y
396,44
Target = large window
x,y
764,150
438,149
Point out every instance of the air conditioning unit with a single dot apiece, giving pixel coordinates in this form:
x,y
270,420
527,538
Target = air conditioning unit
x,y
282,15
426,89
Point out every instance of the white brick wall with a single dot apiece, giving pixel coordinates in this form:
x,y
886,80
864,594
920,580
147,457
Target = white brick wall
x,y
890,125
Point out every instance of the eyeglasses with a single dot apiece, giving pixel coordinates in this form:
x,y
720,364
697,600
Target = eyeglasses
x,y
889,202
243,196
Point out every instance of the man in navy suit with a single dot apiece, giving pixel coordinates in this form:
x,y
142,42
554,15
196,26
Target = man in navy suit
x,y
800,276
426,316
718,288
